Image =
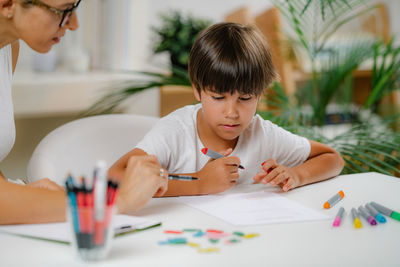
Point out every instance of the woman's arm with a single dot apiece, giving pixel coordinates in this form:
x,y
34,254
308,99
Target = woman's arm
x,y
23,204
15,53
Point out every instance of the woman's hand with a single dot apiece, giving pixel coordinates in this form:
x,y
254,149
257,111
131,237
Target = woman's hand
x,y
141,181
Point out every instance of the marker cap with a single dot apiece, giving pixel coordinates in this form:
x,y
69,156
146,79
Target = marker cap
x,y
380,218
357,223
336,222
395,215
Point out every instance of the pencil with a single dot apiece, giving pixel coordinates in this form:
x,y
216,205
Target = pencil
x,y
182,177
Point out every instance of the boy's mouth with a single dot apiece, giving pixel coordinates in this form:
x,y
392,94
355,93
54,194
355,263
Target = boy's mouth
x,y
230,126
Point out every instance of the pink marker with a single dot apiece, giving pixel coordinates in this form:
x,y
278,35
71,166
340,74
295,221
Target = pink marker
x,y
338,218
215,155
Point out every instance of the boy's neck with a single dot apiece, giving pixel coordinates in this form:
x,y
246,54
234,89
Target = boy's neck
x,y
210,139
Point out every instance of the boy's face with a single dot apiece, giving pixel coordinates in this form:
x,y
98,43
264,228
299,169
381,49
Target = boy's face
x,y
226,115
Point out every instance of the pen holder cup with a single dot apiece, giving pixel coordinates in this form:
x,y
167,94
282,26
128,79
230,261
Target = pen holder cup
x,y
91,238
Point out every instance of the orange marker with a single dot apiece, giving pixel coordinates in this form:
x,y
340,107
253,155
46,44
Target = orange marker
x,y
333,200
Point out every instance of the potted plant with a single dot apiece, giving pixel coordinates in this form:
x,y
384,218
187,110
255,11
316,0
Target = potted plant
x,y
175,36
369,143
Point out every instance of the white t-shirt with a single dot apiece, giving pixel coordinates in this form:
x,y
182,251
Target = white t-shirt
x,y
7,126
175,142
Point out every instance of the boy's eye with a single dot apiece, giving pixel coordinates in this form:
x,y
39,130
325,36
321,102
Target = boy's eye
x,y
217,97
245,98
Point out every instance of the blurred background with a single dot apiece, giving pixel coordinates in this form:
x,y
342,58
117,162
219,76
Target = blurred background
x,y
339,51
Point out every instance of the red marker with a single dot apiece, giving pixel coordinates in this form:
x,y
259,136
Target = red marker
x,y
172,232
269,170
215,155
81,202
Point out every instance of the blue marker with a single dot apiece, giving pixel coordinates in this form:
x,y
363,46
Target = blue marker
x,y
378,216
386,211
73,203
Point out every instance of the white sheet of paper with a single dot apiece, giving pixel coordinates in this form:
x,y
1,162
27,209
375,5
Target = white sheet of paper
x,y
254,208
62,231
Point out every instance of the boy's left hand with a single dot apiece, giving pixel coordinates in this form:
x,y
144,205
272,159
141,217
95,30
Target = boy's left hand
x,y
276,174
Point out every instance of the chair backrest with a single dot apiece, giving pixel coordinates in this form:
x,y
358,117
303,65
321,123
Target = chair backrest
x,y
75,147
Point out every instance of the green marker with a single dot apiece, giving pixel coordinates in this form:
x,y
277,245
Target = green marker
x,y
238,234
386,211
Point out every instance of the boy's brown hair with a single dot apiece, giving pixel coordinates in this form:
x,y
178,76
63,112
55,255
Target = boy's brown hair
x,y
229,57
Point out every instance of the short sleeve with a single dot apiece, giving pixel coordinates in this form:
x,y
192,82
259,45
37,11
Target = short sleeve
x,y
287,148
161,141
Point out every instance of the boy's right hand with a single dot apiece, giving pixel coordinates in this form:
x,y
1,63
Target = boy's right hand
x,y
220,174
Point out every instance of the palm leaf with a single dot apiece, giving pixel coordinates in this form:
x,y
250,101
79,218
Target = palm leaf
x,y
110,101
313,24
334,81
386,76
368,146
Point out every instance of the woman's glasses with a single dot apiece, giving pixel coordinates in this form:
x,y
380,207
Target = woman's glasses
x,y
65,14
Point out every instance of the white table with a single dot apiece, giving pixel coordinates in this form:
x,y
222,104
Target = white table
x,y
295,244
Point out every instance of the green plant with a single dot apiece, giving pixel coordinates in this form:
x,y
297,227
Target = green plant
x,y
110,101
370,145
385,74
311,26
177,35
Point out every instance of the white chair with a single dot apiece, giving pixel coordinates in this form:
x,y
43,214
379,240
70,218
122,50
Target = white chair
x,y
76,146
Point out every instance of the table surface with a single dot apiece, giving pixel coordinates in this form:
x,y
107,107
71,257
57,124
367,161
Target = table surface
x,y
290,244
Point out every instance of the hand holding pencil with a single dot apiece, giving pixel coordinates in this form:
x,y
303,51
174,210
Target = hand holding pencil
x,y
219,174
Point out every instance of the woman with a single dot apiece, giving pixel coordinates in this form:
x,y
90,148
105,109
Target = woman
x,y
41,24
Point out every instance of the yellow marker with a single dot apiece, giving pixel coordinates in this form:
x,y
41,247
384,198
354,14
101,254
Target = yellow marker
x,y
248,236
356,220
208,250
193,245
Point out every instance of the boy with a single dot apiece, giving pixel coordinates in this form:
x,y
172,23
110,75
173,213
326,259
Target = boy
x,y
229,67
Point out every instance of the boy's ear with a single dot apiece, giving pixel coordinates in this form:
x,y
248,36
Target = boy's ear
x,y
196,93
6,8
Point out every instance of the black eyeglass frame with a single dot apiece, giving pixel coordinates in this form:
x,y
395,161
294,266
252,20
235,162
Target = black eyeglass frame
x,y
65,14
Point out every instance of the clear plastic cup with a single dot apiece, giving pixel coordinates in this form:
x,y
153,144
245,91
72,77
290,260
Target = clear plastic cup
x,y
91,239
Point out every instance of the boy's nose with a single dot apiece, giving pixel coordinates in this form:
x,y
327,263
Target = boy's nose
x,y
231,110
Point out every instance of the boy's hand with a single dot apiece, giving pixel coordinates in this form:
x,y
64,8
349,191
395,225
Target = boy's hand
x,y
220,174
275,174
